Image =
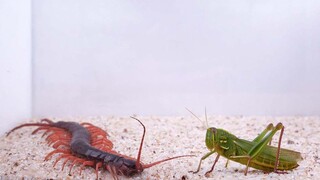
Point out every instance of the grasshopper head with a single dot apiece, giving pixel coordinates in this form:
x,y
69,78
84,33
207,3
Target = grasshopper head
x,y
210,137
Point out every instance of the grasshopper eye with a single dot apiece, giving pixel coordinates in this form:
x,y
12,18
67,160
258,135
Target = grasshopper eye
x,y
210,138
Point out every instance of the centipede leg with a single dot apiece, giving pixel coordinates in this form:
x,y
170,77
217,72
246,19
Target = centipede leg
x,y
39,129
47,121
98,165
68,158
55,152
112,171
60,143
77,160
59,158
86,163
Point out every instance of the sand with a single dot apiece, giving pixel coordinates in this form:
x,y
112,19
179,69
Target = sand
x,y
22,154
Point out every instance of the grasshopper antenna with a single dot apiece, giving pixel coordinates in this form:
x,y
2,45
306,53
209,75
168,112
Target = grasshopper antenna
x,y
198,117
205,112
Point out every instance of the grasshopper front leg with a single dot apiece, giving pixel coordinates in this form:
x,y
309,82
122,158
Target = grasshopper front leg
x,y
262,140
215,162
202,158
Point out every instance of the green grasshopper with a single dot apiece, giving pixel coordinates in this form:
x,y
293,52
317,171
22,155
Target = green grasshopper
x,y
256,154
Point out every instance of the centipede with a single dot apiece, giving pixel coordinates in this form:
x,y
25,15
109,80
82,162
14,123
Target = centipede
x,y
86,145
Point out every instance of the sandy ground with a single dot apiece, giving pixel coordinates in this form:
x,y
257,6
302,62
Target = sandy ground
x,y
22,154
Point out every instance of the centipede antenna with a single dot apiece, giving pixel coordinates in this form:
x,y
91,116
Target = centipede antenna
x,y
145,166
140,148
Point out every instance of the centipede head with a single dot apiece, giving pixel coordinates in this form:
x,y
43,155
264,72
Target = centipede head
x,y
124,166
129,166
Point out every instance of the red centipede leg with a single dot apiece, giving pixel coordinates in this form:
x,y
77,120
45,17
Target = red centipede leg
x,y
102,143
98,133
77,160
39,129
112,171
47,121
50,137
46,132
57,134
48,129
85,123
54,152
91,128
53,138
96,141
59,158
86,163
98,138
98,165
68,158
54,131
71,163
60,143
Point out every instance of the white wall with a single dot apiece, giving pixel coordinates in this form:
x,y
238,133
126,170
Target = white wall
x,y
125,57
15,62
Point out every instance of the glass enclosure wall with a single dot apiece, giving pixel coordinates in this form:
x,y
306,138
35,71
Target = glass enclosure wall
x,y
80,58
155,58
15,62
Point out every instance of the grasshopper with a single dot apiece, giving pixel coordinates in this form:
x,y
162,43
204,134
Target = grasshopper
x,y
256,154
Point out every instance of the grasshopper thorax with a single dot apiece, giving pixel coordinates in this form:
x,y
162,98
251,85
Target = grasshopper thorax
x,y
210,137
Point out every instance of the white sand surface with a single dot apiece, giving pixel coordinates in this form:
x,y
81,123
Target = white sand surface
x,y
22,154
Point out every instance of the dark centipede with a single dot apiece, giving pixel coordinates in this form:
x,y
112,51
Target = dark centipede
x,y
87,145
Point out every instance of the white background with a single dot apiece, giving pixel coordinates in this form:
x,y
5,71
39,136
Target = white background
x,y
15,62
155,58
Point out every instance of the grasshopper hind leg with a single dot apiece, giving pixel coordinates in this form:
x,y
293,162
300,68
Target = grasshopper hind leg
x,y
279,127
262,140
